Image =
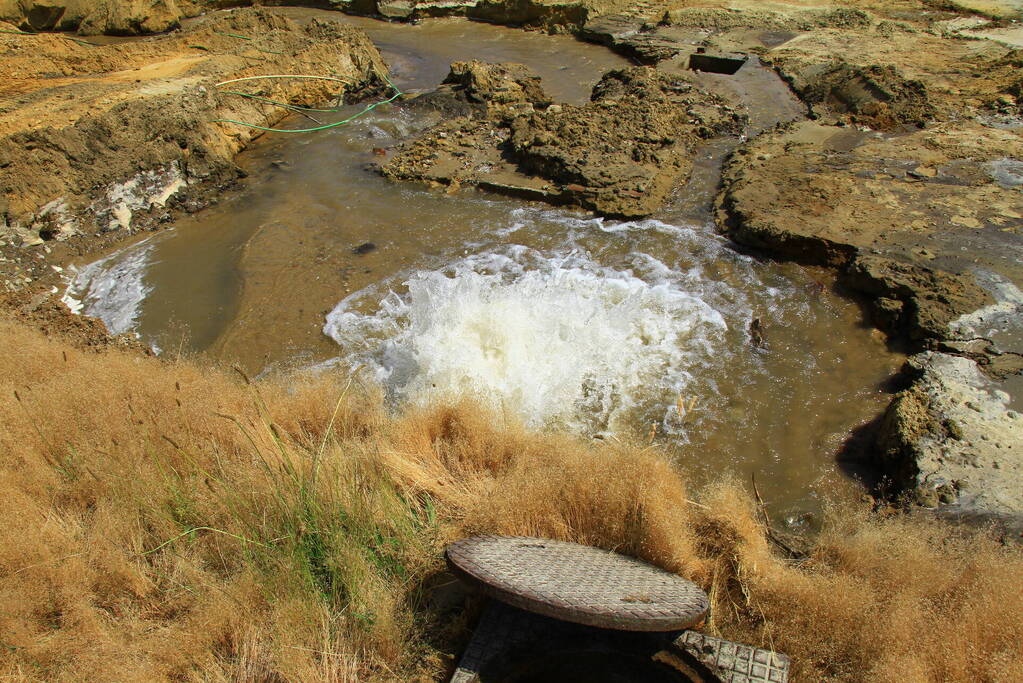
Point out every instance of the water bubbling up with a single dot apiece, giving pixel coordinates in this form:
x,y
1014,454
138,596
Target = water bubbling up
x,y
556,338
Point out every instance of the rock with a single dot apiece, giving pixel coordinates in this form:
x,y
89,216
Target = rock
x,y
928,299
829,195
877,96
888,75
630,36
773,17
130,17
396,9
629,145
951,440
496,85
618,155
44,16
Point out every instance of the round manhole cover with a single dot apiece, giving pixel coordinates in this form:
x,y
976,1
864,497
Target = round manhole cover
x,y
578,583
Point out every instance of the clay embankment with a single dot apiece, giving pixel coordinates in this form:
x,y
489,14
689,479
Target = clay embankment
x,y
141,17
106,139
98,17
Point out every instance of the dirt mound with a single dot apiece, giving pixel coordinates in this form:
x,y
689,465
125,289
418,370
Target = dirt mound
x,y
129,126
618,155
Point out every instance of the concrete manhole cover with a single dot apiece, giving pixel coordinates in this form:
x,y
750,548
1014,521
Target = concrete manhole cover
x,y
578,583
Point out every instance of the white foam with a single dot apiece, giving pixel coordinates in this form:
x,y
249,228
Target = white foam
x,y
112,289
999,316
1006,172
555,338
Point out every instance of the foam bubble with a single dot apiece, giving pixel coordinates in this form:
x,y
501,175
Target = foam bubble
x,y
557,339
112,289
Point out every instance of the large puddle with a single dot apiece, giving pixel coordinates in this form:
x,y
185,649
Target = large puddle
x,y
653,327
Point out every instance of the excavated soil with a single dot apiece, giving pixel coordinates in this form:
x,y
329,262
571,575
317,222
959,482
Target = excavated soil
x,y
102,141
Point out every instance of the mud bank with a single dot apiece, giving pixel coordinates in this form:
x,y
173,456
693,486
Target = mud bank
x,y
106,139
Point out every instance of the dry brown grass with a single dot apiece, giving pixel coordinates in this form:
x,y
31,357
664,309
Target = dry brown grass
x,y
168,521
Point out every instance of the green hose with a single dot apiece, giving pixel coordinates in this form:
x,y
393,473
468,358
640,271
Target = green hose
x,y
232,35
235,35
397,93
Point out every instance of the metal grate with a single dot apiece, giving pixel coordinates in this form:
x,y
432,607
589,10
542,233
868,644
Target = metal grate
x,y
732,662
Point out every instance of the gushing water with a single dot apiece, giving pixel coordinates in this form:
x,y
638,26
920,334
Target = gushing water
x,y
554,338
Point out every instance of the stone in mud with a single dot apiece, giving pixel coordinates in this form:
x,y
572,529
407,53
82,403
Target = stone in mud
x,y
628,146
481,90
618,155
952,441
495,86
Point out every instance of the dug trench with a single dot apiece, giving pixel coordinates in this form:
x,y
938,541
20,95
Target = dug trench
x,y
566,319
904,187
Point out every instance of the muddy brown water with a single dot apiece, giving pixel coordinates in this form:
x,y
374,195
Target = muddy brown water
x,y
654,328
